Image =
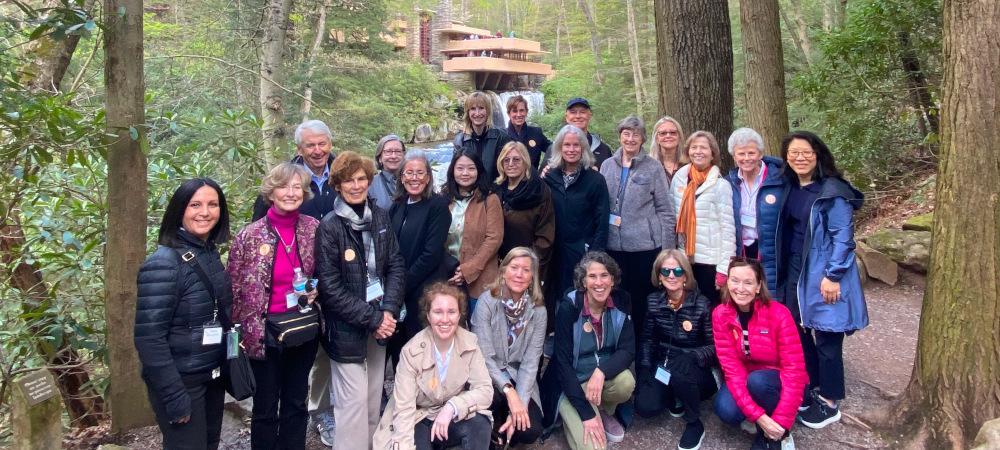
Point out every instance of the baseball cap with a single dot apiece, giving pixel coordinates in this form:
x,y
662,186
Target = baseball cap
x,y
577,101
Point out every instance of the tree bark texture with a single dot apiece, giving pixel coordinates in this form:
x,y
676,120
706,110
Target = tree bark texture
x,y
956,376
695,60
127,195
595,44
51,57
272,108
317,47
916,80
633,53
764,71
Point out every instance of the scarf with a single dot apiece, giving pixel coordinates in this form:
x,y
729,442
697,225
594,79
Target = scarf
x,y
687,221
362,224
526,195
514,310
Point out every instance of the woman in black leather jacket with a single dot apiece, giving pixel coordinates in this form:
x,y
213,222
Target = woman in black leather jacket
x,y
180,319
676,351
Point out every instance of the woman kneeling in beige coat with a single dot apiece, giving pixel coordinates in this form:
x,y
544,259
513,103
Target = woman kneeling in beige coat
x,y
443,391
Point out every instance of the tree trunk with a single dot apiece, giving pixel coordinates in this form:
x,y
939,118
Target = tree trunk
x,y
595,45
272,108
559,22
695,60
841,14
798,30
955,385
633,53
51,57
764,71
917,83
829,12
127,193
317,47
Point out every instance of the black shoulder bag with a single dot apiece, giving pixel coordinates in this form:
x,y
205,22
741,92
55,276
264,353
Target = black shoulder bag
x,y
237,372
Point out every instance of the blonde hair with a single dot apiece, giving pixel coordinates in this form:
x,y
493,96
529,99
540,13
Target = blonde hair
x,y
654,150
508,148
534,289
281,175
477,98
712,143
682,261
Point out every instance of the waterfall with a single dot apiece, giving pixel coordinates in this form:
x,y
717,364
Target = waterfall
x,y
536,105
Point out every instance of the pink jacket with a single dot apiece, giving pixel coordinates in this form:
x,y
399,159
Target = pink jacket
x,y
774,344
250,266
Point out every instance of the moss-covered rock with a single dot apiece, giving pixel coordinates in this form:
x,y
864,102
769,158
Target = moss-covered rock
x,y
911,249
922,222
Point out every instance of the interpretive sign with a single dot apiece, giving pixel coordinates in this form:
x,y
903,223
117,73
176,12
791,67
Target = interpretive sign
x,y
37,387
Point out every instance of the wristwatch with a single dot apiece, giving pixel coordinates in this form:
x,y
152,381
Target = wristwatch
x,y
506,388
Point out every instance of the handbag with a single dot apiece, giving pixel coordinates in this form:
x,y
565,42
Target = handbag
x,y
236,372
291,329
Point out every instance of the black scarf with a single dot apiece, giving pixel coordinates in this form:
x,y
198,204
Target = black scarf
x,y
526,195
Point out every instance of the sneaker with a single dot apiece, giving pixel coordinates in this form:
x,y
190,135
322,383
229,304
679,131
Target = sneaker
x,y
788,443
325,426
819,414
694,433
614,431
761,442
807,401
677,410
748,427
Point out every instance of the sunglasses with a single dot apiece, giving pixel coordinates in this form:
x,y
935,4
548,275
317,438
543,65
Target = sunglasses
x,y
677,271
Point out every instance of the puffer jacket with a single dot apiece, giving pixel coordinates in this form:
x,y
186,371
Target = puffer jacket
x,y
716,230
829,252
647,210
770,201
251,266
343,280
774,344
687,330
172,308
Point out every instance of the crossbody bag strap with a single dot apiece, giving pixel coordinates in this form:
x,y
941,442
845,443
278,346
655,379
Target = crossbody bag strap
x,y
192,260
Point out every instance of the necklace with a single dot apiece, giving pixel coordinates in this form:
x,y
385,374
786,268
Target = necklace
x,y
288,247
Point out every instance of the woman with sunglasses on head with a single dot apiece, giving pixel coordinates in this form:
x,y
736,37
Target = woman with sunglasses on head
x,y
759,351
529,218
820,281
676,352
666,148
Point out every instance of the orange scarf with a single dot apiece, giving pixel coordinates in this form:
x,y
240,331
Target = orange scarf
x,y
687,223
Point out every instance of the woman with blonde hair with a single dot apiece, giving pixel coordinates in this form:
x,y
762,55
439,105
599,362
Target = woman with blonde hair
x,y
510,323
479,137
528,213
666,148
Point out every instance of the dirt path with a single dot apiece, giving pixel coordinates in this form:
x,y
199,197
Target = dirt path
x,y
878,363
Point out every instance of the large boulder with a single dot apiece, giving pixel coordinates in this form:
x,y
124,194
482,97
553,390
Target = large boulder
x,y
423,133
922,222
911,249
877,265
988,436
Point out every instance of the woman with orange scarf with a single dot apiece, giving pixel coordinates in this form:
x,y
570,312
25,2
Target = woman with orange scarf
x,y
704,202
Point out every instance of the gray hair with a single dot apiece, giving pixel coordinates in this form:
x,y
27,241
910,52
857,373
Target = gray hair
x,y
316,126
381,146
587,157
580,271
745,136
633,123
280,175
415,154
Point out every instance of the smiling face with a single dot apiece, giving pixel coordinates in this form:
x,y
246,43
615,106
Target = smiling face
x,y
202,212
288,198
443,317
392,156
514,166
743,286
314,148
572,149
518,114
478,114
579,116
668,136
672,283
700,153
466,173
801,158
631,141
355,189
598,282
415,178
517,275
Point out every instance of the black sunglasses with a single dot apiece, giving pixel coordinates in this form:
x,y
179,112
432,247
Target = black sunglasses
x,y
677,271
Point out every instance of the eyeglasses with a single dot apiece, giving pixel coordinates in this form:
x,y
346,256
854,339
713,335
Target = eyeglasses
x,y
676,271
511,161
414,174
804,154
667,133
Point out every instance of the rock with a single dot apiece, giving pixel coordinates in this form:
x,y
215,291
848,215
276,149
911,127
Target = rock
x,y
862,273
423,133
37,412
988,436
454,127
922,222
440,102
441,132
911,249
877,265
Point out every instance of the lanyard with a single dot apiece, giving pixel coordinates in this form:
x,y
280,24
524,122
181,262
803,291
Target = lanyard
x,y
620,199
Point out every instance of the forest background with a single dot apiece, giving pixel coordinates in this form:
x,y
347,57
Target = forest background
x,y
865,75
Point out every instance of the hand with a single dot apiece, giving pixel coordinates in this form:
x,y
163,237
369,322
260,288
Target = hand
x,y
518,411
184,419
311,296
830,290
593,432
594,387
387,327
439,430
457,279
545,170
770,428
508,427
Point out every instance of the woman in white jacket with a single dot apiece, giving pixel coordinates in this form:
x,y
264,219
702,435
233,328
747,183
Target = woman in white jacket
x,y
704,203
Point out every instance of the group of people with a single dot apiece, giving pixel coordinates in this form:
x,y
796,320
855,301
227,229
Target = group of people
x,y
642,281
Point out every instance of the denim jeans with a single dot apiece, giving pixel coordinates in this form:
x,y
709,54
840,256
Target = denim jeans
x,y
765,389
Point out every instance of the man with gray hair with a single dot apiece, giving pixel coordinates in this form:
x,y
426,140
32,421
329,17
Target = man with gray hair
x,y
314,151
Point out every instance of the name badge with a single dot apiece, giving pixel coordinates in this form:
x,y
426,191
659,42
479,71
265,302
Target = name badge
x,y
748,220
663,375
615,220
211,334
232,344
291,299
216,372
374,291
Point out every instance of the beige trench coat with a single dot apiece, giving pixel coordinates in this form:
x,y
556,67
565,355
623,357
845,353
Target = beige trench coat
x,y
418,395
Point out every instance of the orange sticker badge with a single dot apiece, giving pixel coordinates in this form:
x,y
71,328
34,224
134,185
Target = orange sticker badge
x,y
532,143
349,255
686,325
770,199
265,249
587,327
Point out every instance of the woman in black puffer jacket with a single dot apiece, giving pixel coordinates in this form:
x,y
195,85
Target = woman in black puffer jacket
x,y
180,321
676,340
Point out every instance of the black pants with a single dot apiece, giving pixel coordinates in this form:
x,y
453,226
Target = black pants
x,y
279,405
202,431
704,275
469,434
636,268
501,411
653,397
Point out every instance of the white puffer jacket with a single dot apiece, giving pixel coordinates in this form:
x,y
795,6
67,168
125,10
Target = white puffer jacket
x,y
716,231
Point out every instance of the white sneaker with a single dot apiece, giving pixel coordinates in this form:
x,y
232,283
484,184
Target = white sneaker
x,y
788,443
748,427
